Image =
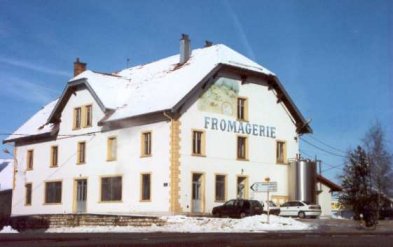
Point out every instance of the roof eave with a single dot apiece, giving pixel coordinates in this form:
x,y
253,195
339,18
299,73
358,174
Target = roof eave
x,y
50,133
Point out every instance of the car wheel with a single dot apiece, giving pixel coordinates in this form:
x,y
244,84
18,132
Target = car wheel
x,y
301,215
242,215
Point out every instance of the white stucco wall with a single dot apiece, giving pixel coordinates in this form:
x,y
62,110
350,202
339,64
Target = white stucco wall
x,y
221,149
129,165
325,200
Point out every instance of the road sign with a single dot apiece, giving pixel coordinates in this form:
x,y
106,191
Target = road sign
x,y
264,187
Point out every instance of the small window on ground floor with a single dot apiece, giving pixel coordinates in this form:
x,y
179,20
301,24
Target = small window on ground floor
x,y
111,188
146,187
220,188
53,192
28,194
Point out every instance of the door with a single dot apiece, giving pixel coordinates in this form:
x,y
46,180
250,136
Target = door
x,y
197,193
241,188
81,195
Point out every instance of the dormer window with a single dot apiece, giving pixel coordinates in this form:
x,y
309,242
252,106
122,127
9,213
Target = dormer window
x,y
83,117
77,117
88,116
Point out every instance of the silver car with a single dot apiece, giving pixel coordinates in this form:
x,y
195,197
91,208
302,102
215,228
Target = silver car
x,y
300,209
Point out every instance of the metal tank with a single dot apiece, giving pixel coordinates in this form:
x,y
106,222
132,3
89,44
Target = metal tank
x,y
302,180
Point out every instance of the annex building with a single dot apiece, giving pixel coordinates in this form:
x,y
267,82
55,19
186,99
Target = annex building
x,y
179,135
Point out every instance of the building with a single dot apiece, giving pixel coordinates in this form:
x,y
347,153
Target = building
x,y
6,171
179,135
325,198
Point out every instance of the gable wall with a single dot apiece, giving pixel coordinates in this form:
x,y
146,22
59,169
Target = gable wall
x,y
221,147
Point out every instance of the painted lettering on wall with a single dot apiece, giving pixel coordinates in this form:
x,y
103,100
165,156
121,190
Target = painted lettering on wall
x,y
238,127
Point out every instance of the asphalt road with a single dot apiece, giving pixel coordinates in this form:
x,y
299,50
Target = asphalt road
x,y
349,239
327,232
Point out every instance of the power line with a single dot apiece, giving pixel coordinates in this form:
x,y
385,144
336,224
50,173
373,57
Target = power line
x,y
322,149
323,163
327,145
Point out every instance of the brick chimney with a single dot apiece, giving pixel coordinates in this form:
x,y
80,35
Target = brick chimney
x,y
79,67
185,48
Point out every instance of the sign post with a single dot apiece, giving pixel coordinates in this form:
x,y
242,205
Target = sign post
x,y
267,187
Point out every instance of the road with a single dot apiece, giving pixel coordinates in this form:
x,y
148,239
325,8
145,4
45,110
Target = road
x,y
327,232
303,239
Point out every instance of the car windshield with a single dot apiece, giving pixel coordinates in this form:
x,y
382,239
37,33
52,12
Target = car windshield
x,y
306,202
229,203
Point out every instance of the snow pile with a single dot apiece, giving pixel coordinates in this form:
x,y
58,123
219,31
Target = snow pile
x,y
203,224
8,229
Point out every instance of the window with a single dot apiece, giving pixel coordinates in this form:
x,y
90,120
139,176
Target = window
x,y
81,153
88,116
28,194
242,147
242,108
111,149
53,192
220,188
145,187
77,118
54,156
30,159
198,142
146,144
111,189
281,152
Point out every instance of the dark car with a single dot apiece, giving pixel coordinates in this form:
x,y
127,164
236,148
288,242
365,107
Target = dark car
x,y
238,208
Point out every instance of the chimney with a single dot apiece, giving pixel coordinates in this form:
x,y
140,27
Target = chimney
x,y
185,48
79,67
208,43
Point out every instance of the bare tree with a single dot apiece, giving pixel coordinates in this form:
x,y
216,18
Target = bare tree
x,y
380,161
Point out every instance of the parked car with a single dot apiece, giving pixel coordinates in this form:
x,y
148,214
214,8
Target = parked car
x,y
273,208
239,208
300,209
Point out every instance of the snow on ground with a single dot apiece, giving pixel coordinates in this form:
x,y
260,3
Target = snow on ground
x,y
203,224
8,229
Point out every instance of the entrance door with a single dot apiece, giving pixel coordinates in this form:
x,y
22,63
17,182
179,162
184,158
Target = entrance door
x,y
197,193
81,195
242,185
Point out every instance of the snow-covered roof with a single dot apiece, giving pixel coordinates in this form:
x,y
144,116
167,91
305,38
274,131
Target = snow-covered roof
x,y
4,163
6,173
36,125
160,85
149,88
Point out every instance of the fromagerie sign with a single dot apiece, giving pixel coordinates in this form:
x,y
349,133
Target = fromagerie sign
x,y
238,127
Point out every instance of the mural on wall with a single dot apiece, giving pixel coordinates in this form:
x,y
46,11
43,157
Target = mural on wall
x,y
220,98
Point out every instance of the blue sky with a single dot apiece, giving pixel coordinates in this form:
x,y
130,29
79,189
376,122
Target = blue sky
x,y
335,58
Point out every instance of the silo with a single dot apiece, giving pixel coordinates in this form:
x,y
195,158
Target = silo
x,y
302,180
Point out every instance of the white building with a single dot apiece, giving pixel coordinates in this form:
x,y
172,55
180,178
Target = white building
x,y
6,170
179,135
326,188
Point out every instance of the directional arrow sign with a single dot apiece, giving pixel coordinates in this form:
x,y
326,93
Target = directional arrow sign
x,y
264,187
